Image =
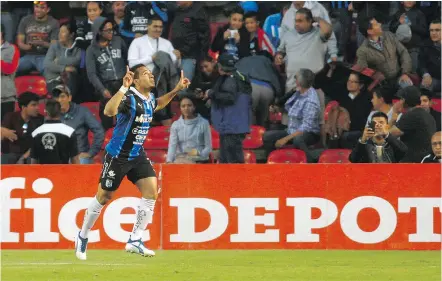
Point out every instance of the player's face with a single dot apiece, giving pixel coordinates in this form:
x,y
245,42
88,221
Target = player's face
x,y
187,108
64,100
145,78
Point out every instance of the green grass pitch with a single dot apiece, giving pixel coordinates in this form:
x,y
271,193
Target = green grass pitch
x,y
222,265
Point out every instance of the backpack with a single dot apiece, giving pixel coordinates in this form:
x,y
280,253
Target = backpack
x,y
337,122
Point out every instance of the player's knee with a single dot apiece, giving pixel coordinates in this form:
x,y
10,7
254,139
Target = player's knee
x,y
104,196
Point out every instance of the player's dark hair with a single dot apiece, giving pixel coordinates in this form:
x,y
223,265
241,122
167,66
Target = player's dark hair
x,y
26,98
251,15
307,13
135,69
379,114
53,108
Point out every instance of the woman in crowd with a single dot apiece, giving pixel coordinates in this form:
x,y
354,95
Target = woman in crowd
x,y
190,138
63,59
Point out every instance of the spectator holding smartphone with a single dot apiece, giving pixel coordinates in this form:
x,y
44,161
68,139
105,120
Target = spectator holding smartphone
x,y
377,145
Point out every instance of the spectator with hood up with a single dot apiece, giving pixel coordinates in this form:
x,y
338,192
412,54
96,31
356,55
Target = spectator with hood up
x,y
106,64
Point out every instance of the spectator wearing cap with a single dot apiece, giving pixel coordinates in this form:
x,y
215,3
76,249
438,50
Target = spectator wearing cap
x,y
249,6
377,145
17,128
136,17
383,52
82,121
190,35
9,63
416,126
436,146
233,38
426,103
63,59
318,11
272,25
54,142
304,47
303,126
35,34
231,109
106,64
430,59
259,41
410,20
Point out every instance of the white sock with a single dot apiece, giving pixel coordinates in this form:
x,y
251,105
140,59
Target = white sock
x,y
90,217
144,217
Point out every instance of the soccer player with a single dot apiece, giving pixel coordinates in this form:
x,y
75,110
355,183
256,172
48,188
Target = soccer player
x,y
125,155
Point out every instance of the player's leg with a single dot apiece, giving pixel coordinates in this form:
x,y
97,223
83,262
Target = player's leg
x,y
145,179
111,176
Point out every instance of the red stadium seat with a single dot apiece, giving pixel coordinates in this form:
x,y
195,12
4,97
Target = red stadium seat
x,y
275,117
94,108
437,105
335,156
157,156
107,136
253,140
215,138
249,157
214,28
176,111
287,155
34,84
157,138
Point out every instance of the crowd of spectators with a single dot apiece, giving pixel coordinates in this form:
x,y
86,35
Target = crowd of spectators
x,y
361,76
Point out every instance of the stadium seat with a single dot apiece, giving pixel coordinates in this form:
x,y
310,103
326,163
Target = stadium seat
x,y
287,155
176,111
249,157
437,105
34,84
253,140
157,138
215,138
335,156
214,28
94,108
275,117
157,156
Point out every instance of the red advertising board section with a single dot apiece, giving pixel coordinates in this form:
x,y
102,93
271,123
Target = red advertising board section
x,y
233,207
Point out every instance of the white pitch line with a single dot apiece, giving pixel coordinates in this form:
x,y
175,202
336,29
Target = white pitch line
x,y
69,263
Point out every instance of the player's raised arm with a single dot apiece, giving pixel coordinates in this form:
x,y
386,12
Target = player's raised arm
x,y
111,108
184,83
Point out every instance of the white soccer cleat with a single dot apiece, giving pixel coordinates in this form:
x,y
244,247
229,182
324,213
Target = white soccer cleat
x,y
137,247
80,247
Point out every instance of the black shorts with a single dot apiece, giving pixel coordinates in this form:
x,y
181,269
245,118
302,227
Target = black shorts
x,y
114,170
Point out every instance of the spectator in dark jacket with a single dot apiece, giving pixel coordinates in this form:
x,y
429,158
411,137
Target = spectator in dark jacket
x,y
429,59
231,109
265,85
93,10
426,104
82,121
233,38
436,145
106,63
378,145
410,15
190,35
136,17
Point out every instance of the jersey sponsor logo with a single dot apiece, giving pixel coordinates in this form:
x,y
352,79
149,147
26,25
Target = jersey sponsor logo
x,y
49,141
108,183
141,131
143,118
111,173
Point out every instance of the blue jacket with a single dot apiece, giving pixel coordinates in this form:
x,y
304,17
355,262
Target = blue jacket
x,y
231,104
271,28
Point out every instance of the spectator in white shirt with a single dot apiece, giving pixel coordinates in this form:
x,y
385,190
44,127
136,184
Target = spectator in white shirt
x,y
143,49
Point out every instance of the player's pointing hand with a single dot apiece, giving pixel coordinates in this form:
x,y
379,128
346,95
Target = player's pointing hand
x,y
184,83
128,79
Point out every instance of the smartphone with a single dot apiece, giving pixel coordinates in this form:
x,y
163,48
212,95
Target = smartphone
x,y
373,125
